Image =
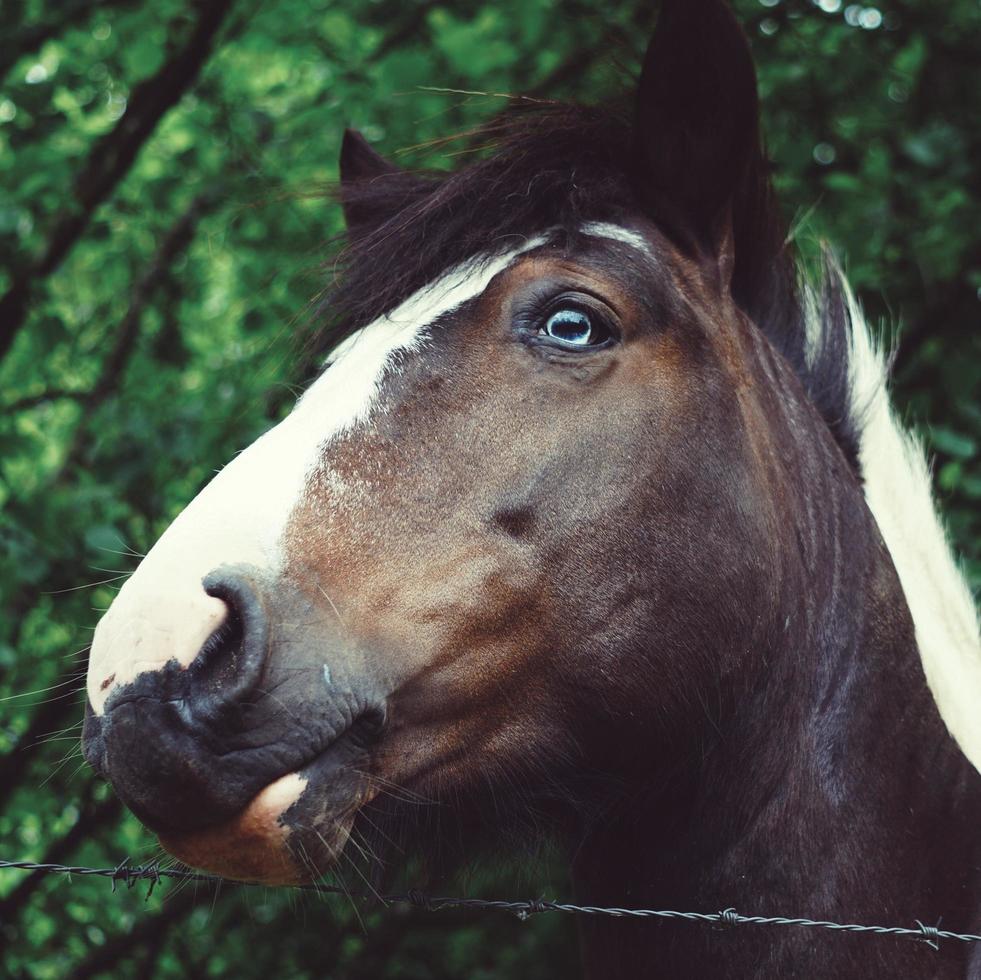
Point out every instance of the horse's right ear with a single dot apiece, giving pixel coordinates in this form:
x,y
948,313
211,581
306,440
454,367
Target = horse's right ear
x,y
359,165
696,123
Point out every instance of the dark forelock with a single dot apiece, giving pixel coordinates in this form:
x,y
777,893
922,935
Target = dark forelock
x,y
555,166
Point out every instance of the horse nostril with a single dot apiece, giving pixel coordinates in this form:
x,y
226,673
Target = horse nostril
x,y
231,659
226,640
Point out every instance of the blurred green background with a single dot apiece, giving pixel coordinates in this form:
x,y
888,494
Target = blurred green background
x,y
162,225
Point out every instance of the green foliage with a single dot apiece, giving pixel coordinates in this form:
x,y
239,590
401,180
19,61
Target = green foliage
x,y
154,350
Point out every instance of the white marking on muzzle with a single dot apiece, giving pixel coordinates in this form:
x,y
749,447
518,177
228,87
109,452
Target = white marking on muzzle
x,y
162,613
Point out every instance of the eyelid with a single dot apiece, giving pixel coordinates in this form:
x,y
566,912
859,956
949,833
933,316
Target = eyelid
x,y
584,298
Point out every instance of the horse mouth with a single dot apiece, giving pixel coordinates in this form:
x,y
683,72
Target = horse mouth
x,y
293,830
251,846
272,841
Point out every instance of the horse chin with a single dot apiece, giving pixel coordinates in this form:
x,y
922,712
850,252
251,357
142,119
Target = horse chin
x,y
258,845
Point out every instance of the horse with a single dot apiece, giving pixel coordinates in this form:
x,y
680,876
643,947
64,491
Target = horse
x,y
598,523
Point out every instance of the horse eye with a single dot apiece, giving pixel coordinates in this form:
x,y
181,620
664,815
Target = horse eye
x,y
574,327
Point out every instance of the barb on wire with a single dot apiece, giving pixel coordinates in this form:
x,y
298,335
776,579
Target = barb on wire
x,y
131,874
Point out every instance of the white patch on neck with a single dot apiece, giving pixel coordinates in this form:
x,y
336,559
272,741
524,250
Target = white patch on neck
x,y
162,613
898,490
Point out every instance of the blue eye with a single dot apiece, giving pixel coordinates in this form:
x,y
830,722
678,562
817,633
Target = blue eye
x,y
573,327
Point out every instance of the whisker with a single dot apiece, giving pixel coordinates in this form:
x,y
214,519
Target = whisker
x,y
51,739
371,888
394,789
343,883
68,728
75,753
340,618
74,773
126,552
88,585
363,848
269,694
44,690
78,652
381,833
58,697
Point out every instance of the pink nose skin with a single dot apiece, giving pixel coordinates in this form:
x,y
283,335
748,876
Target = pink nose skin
x,y
168,620
163,612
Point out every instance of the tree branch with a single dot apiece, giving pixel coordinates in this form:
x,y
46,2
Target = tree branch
x,y
125,944
171,246
46,719
14,763
110,160
20,43
93,817
42,397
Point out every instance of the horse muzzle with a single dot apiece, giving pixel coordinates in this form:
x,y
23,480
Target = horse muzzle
x,y
218,752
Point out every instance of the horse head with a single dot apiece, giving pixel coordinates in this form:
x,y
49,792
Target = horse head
x,y
564,513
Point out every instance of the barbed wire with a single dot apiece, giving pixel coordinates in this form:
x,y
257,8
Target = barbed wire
x,y
129,875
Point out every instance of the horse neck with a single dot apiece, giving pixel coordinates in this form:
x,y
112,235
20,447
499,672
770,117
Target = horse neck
x,y
830,788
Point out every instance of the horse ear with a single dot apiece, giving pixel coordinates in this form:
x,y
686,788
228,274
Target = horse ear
x,y
696,127
359,161
358,165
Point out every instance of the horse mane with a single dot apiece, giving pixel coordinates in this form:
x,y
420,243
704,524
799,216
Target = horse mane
x,y
546,165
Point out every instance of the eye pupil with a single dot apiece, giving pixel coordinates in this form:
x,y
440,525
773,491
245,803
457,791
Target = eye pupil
x,y
571,327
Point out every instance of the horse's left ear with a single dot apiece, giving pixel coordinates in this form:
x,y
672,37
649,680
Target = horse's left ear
x,y
358,165
696,127
360,161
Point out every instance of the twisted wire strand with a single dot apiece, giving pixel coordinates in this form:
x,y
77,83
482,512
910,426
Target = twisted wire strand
x,y
131,874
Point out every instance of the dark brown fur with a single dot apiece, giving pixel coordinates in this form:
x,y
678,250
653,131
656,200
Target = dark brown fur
x,y
632,596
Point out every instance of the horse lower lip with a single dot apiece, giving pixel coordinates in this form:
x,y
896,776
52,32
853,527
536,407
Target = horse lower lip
x,y
254,845
251,846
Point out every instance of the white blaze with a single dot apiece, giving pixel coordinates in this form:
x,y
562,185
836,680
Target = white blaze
x,y
162,613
